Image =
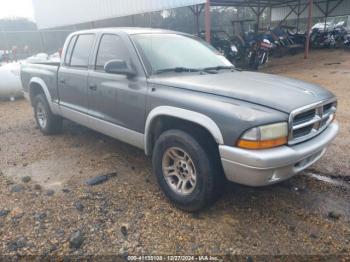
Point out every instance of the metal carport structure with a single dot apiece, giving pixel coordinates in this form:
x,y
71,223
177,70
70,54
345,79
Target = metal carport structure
x,y
297,7
51,14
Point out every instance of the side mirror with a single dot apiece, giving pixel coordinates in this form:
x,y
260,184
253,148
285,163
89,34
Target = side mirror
x,y
117,66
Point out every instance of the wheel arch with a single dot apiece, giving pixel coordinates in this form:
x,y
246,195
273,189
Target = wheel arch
x,y
36,86
178,114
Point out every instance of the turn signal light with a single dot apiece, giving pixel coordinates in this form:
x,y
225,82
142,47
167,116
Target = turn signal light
x,y
250,144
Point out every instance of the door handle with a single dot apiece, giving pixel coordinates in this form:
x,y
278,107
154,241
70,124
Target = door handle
x,y
93,87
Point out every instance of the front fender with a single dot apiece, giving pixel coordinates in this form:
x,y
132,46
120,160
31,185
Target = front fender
x,y
184,114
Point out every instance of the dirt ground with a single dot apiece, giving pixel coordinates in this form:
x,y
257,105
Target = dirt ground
x,y
48,210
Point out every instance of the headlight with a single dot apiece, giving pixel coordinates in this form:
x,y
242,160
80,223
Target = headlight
x,y
267,136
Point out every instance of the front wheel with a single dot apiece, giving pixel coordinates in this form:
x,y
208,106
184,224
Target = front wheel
x,y
47,122
184,170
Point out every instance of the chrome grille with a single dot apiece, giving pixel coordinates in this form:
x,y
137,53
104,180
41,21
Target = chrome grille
x,y
309,121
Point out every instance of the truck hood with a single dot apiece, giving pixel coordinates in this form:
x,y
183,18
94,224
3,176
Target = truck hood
x,y
277,92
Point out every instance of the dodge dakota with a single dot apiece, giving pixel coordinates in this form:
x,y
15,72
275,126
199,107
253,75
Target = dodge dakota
x,y
201,120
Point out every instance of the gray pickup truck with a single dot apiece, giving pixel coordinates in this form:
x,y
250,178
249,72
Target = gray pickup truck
x,y
172,95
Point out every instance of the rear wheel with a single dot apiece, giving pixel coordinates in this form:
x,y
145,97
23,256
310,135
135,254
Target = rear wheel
x,y
47,122
184,170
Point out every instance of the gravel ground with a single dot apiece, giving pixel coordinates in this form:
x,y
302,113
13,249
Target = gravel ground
x,y
47,209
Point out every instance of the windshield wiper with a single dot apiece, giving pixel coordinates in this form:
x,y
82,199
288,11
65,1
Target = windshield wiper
x,y
177,70
217,68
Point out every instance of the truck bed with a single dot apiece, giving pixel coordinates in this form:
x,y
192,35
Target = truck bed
x,y
44,71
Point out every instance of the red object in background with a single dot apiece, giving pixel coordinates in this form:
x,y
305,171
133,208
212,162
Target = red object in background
x,y
265,45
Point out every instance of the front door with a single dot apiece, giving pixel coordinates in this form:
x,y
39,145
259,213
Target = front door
x,y
116,98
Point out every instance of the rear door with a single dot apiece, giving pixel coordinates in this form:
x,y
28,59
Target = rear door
x,y
116,98
73,74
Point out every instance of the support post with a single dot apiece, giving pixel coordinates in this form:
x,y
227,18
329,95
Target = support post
x,y
42,43
258,18
207,21
270,17
298,16
326,15
197,25
196,11
133,20
6,42
307,46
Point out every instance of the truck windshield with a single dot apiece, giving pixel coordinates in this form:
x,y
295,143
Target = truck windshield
x,y
171,52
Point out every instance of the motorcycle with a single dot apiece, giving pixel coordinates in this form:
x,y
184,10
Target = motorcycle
x,y
347,41
339,33
285,40
322,39
258,54
224,44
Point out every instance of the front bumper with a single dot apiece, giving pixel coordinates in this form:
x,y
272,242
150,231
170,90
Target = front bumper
x,y
265,167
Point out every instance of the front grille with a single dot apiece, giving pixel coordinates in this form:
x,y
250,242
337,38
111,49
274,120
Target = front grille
x,y
304,117
307,122
302,132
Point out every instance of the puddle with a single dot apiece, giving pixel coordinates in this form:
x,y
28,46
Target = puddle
x,y
332,181
50,173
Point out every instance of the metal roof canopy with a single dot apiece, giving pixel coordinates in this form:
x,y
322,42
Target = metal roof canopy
x,y
52,13
55,14
267,3
256,3
258,6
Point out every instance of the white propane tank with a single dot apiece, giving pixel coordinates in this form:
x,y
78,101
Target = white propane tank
x,y
10,82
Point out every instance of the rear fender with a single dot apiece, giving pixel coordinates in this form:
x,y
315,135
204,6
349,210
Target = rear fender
x,y
38,81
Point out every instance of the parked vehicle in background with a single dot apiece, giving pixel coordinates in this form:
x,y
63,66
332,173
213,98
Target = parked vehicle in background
x,y
223,42
258,52
253,48
295,37
173,96
322,39
339,32
284,40
328,26
250,51
347,41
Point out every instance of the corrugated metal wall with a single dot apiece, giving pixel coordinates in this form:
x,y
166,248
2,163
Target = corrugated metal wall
x,y
58,13
278,14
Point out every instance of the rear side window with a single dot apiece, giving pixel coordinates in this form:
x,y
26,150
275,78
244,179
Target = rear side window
x,y
81,52
69,50
111,47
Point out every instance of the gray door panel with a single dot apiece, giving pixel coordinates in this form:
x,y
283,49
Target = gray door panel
x,y
73,75
102,96
72,85
116,98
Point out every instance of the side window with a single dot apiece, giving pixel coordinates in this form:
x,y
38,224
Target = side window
x,y
81,52
111,47
69,50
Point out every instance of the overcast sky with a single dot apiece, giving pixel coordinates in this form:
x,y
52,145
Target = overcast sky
x,y
16,8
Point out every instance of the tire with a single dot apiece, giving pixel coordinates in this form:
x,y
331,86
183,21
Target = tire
x,y
254,62
47,122
195,197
